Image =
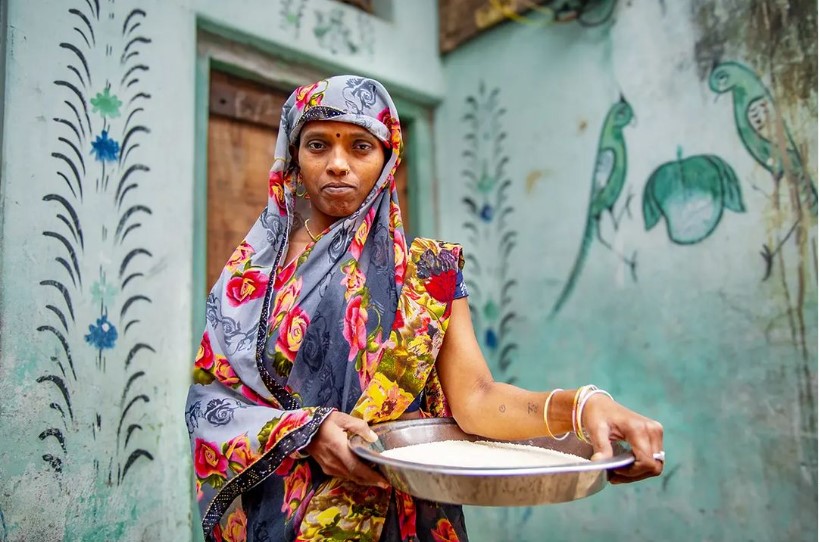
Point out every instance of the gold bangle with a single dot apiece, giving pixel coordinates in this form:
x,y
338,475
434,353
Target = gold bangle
x,y
576,423
546,415
581,399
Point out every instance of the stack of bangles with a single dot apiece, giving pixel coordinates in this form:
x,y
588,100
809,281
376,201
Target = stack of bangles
x,y
582,395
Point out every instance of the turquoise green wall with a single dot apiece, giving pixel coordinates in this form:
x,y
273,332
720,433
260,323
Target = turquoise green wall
x,y
100,261
679,320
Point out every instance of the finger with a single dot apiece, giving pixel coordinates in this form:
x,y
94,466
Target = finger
x,y
357,427
360,473
655,430
601,445
617,479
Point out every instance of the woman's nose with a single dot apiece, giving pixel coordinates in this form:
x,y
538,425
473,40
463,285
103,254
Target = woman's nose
x,y
338,164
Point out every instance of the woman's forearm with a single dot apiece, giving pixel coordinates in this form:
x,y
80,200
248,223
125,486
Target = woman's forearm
x,y
503,411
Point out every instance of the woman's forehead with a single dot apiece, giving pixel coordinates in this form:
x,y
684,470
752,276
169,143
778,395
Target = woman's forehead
x,y
331,127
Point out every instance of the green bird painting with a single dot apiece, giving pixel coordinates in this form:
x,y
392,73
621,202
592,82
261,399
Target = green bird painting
x,y
607,184
691,193
768,141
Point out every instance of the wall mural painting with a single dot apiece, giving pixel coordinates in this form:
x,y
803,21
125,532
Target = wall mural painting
x,y
769,141
489,280
335,35
690,194
291,13
94,292
608,182
792,221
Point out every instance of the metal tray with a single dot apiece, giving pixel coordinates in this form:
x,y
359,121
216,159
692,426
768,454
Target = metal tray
x,y
502,486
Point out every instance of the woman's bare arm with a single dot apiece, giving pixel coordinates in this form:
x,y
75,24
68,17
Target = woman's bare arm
x,y
484,407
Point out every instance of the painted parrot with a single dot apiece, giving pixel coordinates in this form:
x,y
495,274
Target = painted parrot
x,y
607,184
754,111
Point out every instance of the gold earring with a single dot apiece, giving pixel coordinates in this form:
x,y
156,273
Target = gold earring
x,y
300,185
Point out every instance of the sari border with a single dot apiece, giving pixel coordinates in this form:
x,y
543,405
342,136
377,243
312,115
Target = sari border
x,y
260,470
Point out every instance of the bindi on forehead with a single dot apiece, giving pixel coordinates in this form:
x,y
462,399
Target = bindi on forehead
x,y
338,135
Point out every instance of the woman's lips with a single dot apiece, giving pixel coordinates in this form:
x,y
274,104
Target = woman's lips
x,y
337,189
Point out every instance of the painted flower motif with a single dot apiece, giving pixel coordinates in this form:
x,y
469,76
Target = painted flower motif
x,y
251,284
199,493
217,533
208,460
106,104
276,191
355,326
204,356
292,332
297,484
236,530
285,300
307,96
239,453
393,126
102,335
353,280
444,531
442,287
486,213
241,255
104,148
103,293
224,372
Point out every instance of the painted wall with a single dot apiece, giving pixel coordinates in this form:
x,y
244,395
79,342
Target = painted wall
x,y
694,125
99,189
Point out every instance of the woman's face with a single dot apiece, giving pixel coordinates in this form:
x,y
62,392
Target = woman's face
x,y
340,164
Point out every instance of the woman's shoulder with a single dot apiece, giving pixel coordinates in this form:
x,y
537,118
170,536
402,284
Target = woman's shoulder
x,y
447,254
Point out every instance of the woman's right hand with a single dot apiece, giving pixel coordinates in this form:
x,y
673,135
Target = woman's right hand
x,y
329,448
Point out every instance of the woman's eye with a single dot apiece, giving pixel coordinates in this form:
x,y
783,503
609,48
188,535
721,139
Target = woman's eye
x,y
315,145
362,146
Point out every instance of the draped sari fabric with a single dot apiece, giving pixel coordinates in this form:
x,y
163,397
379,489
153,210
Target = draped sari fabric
x,y
353,324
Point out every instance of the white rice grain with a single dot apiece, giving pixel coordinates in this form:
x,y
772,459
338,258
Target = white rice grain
x,y
481,454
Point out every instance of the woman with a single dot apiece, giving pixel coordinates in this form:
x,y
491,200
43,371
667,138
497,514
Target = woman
x,y
324,321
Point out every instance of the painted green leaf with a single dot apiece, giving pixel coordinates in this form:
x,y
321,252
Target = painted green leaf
x,y
690,193
651,211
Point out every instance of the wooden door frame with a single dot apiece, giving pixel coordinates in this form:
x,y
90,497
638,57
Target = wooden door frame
x,y
219,48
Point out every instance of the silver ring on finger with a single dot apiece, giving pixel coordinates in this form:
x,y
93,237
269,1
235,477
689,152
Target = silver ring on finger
x,y
659,456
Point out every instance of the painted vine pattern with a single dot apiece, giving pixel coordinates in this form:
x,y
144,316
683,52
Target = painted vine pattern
x,y
489,278
94,291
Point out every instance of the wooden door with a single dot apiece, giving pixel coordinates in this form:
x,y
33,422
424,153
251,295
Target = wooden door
x,y
243,125
242,128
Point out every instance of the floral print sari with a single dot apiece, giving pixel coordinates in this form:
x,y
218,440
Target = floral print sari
x,y
353,324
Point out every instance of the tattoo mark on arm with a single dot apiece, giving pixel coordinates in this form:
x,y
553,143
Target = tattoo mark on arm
x,y
532,408
502,408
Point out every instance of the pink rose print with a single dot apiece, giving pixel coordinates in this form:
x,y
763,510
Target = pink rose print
x,y
249,285
292,332
204,356
208,459
355,326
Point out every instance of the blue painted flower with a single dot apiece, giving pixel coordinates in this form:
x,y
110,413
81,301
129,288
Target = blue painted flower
x,y
491,339
486,213
104,148
103,335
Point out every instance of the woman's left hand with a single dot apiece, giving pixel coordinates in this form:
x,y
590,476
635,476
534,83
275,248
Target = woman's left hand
x,y
606,421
